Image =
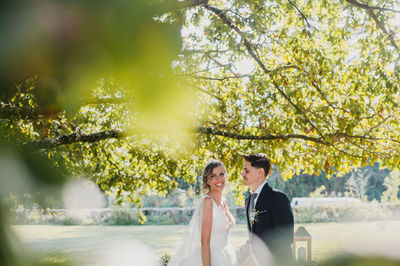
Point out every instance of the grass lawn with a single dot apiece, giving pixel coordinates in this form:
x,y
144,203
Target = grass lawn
x,y
88,242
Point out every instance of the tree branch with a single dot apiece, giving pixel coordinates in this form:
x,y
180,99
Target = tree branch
x,y
207,92
370,10
301,13
316,86
382,27
379,124
196,51
366,150
48,143
246,42
223,78
365,6
212,131
232,135
343,135
306,119
347,153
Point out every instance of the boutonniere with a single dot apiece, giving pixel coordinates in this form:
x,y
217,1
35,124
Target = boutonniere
x,y
253,214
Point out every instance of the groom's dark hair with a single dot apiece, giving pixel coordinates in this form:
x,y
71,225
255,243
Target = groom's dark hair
x,y
259,160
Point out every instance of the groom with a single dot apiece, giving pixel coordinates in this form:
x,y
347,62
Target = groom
x,y
269,215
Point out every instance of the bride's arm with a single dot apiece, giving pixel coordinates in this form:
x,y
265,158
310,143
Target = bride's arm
x,y
206,232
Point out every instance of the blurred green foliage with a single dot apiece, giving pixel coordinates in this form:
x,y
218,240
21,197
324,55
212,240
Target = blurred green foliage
x,y
51,54
357,260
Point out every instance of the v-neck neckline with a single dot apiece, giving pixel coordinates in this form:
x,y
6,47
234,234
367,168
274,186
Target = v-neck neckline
x,y
219,207
230,221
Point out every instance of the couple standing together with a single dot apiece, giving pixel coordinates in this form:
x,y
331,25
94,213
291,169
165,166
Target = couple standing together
x,y
269,221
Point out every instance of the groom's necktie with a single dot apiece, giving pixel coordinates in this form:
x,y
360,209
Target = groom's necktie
x,y
253,197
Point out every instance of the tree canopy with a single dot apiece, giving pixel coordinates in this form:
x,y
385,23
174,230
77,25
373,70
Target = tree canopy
x,y
157,91
323,90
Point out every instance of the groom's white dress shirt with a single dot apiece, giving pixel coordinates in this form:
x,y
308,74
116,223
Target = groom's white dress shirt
x,y
258,191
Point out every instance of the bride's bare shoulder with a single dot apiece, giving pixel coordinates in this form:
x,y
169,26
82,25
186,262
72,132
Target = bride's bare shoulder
x,y
207,205
207,199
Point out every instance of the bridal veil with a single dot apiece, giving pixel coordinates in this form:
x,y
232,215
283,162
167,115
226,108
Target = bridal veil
x,y
188,251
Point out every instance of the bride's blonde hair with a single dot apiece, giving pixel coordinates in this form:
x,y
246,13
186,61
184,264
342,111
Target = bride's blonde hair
x,y
208,169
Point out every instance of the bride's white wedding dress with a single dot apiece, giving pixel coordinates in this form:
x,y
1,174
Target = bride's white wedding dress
x,y
188,252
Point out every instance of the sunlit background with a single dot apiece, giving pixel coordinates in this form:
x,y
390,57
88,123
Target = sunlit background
x,y
122,70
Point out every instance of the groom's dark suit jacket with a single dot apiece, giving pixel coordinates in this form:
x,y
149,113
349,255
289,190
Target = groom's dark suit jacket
x,y
274,224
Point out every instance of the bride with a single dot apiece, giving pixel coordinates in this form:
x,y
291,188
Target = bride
x,y
205,241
